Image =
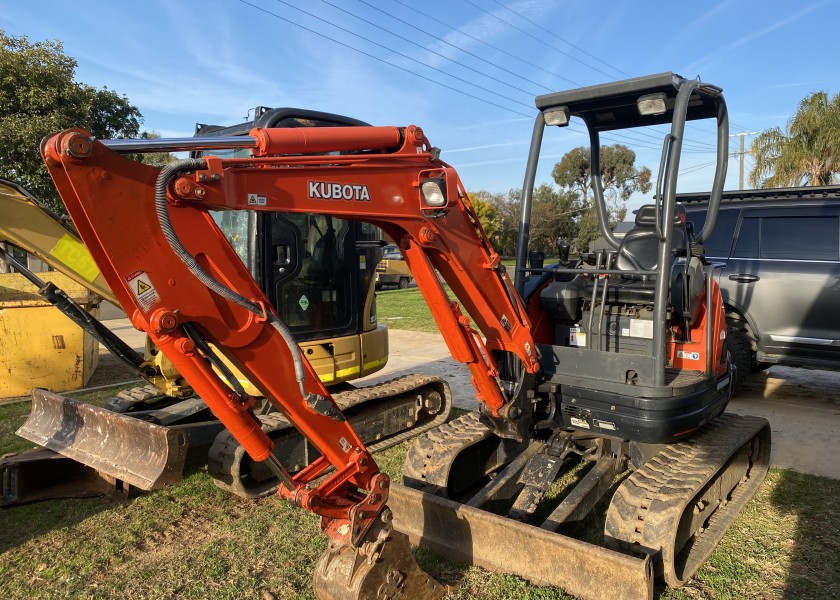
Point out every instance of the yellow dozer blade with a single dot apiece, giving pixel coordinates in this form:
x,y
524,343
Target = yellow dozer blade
x,y
139,453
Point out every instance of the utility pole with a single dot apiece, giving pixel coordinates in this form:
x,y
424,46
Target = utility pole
x,y
742,135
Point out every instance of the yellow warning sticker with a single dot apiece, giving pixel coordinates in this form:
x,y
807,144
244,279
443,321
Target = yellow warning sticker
x,y
143,289
73,253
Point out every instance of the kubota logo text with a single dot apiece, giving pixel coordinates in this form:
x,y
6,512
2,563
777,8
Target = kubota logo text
x,y
324,190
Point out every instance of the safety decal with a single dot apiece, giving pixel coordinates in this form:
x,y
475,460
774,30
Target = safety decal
x,y
577,337
143,289
303,302
505,323
688,355
345,445
256,200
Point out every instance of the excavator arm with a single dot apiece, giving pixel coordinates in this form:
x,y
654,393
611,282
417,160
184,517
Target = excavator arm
x,y
153,238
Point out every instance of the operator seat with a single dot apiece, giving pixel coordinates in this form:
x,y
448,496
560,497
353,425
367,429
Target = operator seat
x,y
639,250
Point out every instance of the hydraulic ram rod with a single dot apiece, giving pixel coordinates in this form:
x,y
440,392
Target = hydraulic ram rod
x,y
264,142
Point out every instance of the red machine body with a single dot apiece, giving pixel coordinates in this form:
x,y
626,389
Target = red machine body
x,y
112,202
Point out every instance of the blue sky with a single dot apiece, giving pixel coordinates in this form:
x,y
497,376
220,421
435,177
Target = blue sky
x,y
465,70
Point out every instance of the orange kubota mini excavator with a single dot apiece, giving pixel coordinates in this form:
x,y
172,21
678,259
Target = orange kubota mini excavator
x,y
564,386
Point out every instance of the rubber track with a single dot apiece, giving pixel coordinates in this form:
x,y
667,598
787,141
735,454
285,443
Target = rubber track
x,y
431,456
646,510
226,454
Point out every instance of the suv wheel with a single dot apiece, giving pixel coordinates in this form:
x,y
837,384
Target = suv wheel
x,y
740,353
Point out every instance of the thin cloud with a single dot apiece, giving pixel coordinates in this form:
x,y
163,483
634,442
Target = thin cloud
x,y
487,147
746,39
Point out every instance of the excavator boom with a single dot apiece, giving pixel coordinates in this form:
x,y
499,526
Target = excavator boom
x,y
153,238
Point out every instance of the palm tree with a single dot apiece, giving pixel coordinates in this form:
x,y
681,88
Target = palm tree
x,y
808,153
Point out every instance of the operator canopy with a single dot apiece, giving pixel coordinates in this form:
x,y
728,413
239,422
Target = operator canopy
x,y
626,104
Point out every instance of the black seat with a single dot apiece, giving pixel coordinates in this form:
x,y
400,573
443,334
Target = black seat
x,y
639,250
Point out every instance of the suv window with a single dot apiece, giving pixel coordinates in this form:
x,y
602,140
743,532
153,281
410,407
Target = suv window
x,y
747,244
720,242
799,238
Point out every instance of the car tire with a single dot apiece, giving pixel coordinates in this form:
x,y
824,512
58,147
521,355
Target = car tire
x,y
738,346
403,283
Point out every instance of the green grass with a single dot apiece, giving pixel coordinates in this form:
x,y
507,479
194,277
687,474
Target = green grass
x,y
404,309
195,541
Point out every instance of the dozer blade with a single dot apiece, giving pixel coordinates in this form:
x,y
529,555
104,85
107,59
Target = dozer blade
x,y
141,454
470,535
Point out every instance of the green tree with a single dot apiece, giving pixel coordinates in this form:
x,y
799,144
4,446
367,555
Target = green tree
x,y
553,215
38,96
620,178
485,210
807,153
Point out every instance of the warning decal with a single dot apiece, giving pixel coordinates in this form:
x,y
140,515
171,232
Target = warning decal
x,y
143,289
256,200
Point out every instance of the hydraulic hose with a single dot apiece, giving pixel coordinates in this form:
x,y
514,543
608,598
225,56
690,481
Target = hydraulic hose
x,y
178,248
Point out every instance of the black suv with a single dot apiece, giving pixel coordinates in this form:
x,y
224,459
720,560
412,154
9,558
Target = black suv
x,y
781,276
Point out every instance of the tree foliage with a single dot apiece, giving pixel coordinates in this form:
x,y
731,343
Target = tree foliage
x,y
807,153
39,96
485,210
620,178
567,211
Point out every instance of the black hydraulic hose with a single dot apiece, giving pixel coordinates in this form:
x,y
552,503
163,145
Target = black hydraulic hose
x,y
207,351
178,248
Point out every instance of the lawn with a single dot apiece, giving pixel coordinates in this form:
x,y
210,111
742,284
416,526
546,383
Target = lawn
x,y
194,541
404,309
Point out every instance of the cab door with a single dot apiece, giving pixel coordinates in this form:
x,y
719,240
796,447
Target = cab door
x,y
309,267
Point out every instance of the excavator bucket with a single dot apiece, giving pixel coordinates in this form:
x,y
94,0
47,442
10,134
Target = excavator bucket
x,y
141,454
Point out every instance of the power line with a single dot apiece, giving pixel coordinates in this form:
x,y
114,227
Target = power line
x,y
406,56
637,142
532,36
694,168
479,40
413,43
465,51
382,60
696,145
554,35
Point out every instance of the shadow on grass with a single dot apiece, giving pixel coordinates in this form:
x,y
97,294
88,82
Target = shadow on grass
x,y
22,523
19,524
814,570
